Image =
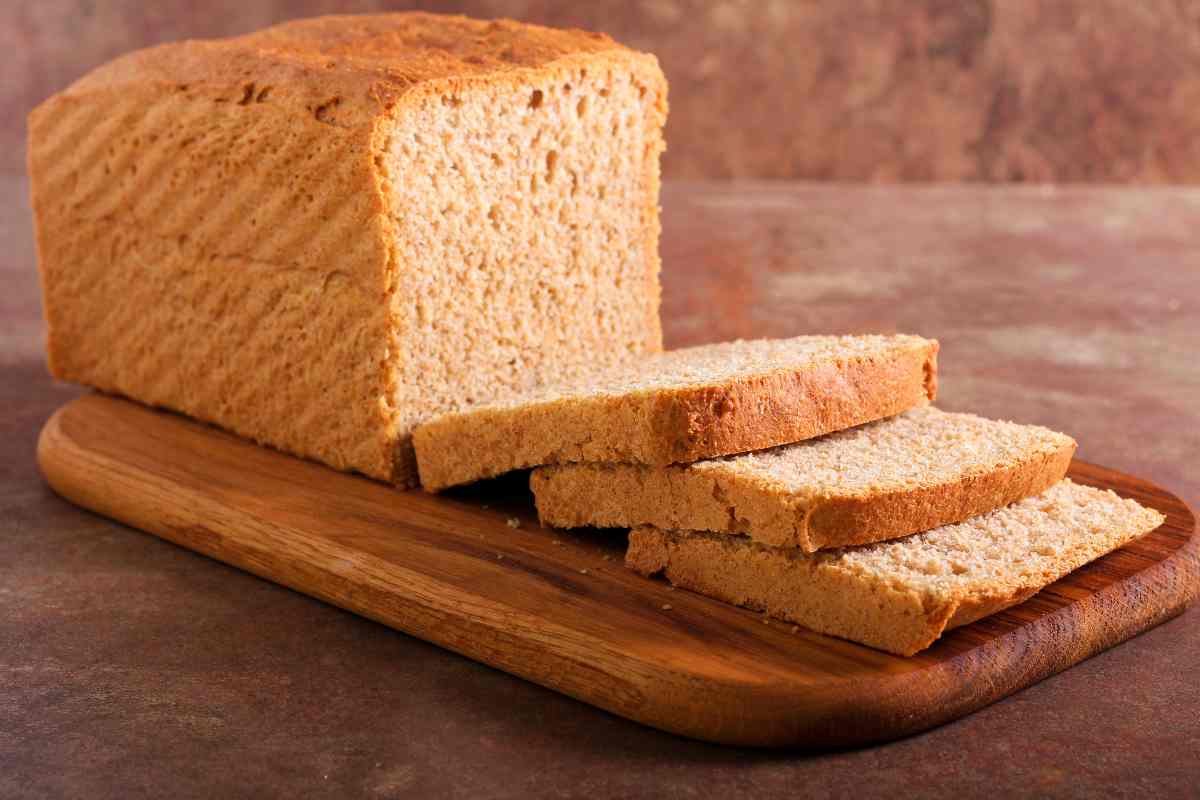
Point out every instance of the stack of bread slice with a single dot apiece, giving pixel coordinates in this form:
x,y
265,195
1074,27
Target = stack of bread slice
x,y
808,478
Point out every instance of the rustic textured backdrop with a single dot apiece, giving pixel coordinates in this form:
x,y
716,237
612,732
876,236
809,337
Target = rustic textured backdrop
x,y
1033,90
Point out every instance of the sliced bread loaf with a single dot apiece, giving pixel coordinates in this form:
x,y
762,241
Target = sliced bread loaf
x,y
685,405
882,480
901,595
320,234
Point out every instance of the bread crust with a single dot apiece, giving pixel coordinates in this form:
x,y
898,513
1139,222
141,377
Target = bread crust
x,y
672,425
622,496
790,406
158,285
848,521
370,62
213,227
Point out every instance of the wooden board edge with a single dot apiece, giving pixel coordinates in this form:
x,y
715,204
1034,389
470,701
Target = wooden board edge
x,y
923,699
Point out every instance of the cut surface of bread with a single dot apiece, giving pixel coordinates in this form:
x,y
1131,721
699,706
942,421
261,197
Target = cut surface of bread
x,y
685,405
912,472
901,595
319,234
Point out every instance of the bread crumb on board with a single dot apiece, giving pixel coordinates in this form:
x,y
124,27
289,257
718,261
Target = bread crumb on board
x,y
513,522
666,606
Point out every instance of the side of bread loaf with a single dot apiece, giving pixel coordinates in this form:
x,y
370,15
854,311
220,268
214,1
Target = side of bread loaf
x,y
218,255
901,595
919,470
321,233
686,405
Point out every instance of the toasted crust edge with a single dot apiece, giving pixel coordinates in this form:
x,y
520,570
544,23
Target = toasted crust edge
x,y
862,520
783,407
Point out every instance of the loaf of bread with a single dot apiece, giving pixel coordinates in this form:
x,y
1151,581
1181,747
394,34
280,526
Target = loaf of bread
x,y
685,405
323,233
901,595
882,480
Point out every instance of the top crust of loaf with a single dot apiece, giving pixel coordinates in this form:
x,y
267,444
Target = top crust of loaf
x,y
348,70
685,405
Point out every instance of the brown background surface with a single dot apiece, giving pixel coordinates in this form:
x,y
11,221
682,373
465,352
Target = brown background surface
x,y
885,90
132,668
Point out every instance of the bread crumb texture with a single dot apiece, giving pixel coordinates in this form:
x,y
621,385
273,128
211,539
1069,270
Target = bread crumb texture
x,y
714,365
902,594
318,234
918,470
684,405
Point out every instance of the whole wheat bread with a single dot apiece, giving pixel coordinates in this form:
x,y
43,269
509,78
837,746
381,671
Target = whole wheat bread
x,y
320,234
901,595
685,405
882,480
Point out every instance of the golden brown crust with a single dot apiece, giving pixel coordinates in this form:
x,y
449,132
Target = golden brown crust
x,y
177,268
213,229
781,407
348,70
862,520
677,424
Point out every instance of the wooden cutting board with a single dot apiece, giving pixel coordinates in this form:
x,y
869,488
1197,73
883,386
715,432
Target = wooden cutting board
x,y
559,609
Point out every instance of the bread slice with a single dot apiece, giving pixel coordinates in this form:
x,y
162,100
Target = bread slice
x,y
901,595
323,233
686,405
882,480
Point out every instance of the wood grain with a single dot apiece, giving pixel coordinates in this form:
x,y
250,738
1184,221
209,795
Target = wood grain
x,y
558,608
